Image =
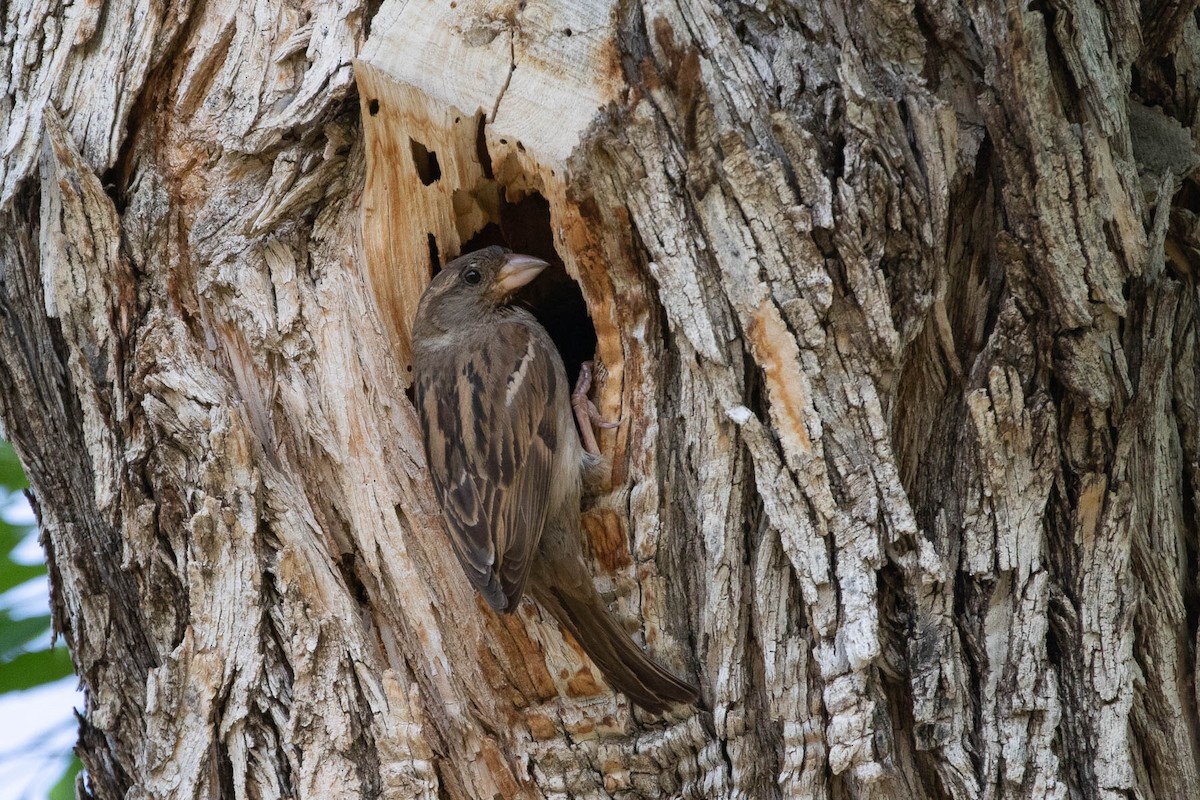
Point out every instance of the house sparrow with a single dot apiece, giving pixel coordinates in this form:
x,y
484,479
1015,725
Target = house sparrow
x,y
508,468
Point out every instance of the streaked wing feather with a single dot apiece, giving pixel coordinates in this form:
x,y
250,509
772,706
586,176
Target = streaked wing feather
x,y
490,435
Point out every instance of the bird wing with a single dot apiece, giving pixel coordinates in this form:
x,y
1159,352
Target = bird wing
x,y
490,435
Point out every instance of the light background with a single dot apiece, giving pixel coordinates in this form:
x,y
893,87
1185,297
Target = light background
x,y
37,727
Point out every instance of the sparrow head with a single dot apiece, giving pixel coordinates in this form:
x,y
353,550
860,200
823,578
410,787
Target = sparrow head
x,y
471,288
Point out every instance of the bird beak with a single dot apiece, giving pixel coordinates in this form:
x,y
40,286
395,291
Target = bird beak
x,y
517,271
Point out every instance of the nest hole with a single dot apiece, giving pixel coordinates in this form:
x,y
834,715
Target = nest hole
x,y
435,261
481,151
554,298
426,162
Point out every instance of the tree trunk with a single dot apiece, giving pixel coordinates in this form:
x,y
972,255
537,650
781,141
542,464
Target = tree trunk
x,y
897,304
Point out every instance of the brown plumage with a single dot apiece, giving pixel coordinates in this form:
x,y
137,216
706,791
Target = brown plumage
x,y
507,464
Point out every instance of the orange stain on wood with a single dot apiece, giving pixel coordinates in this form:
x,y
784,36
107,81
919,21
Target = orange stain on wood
x,y
606,532
581,729
775,349
541,727
583,684
510,658
499,770
1091,504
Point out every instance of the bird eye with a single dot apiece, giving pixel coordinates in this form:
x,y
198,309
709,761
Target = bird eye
x,y
472,276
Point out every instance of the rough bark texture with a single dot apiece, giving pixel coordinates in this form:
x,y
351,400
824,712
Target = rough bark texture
x,y
897,302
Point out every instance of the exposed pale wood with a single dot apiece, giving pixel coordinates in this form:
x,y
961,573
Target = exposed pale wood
x,y
449,80
897,305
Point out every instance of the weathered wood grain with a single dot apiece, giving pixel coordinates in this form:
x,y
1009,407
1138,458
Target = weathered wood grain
x,y
896,302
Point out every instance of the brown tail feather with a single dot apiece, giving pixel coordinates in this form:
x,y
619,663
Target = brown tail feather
x,y
626,668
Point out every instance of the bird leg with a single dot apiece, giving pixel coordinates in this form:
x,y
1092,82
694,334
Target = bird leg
x,y
586,413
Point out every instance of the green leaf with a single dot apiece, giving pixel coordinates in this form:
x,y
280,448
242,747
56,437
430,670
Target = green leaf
x,y
13,574
12,477
11,536
34,669
65,788
16,633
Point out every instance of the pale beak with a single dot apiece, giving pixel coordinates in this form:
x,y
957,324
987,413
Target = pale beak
x,y
517,271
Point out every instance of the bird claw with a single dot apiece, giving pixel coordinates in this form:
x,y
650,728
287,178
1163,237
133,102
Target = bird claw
x,y
586,413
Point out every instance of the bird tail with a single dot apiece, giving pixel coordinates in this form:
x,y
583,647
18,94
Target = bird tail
x,y
626,668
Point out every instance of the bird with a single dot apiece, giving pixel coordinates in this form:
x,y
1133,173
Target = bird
x,y
507,466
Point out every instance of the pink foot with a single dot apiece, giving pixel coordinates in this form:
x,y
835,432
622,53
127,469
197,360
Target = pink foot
x,y
586,413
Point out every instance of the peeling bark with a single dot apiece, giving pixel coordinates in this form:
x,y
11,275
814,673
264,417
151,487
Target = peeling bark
x,y
896,302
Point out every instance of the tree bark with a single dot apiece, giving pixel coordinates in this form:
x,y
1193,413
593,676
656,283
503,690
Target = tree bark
x,y
896,301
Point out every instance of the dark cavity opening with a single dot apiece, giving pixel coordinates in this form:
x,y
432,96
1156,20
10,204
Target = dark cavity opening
x,y
426,162
553,297
490,235
481,151
373,107
435,261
